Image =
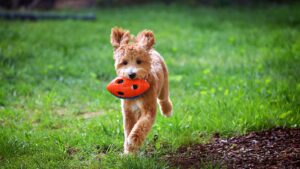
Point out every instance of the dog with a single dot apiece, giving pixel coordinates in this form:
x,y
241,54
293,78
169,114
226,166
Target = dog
x,y
135,58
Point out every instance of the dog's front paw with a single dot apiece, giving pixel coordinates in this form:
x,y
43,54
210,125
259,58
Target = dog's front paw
x,y
130,147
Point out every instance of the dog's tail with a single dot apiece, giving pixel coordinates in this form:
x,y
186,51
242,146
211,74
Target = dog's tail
x,y
166,107
164,96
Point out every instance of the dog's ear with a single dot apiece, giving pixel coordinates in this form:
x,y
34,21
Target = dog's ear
x,y
146,39
119,37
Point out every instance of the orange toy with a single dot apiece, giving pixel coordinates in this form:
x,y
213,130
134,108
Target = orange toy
x,y
127,88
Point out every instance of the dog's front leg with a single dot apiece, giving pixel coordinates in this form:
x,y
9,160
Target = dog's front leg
x,y
129,120
140,131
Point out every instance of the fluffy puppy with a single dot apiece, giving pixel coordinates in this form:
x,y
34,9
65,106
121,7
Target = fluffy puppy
x,y
135,58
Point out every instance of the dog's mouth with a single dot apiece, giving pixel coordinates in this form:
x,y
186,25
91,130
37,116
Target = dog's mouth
x,y
139,76
142,74
144,77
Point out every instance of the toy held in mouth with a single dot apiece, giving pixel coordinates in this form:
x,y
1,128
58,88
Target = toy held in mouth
x,y
127,88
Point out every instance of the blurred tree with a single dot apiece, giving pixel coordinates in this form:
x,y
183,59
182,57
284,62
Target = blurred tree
x,y
27,4
48,4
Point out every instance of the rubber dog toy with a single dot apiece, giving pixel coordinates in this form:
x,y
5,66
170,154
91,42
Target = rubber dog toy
x,y
127,88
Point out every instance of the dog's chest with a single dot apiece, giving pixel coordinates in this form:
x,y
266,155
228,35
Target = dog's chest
x,y
136,106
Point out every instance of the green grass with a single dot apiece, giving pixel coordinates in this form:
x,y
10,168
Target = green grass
x,y
231,71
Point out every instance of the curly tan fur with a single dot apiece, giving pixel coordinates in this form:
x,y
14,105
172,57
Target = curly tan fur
x,y
136,55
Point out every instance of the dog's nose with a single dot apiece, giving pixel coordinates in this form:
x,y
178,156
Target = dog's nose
x,y
132,75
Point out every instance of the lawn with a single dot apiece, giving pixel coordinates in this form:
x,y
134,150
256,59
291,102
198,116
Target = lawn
x,y
232,71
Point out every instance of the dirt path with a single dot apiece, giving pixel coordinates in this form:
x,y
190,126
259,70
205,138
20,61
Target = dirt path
x,y
275,148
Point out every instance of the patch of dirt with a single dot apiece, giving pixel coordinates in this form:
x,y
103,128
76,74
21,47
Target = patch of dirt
x,y
81,114
88,115
60,111
275,148
71,150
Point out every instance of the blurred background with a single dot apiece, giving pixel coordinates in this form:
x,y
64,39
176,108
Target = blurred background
x,y
78,4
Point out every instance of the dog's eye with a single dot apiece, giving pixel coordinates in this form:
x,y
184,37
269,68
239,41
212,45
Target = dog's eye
x,y
138,62
125,62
